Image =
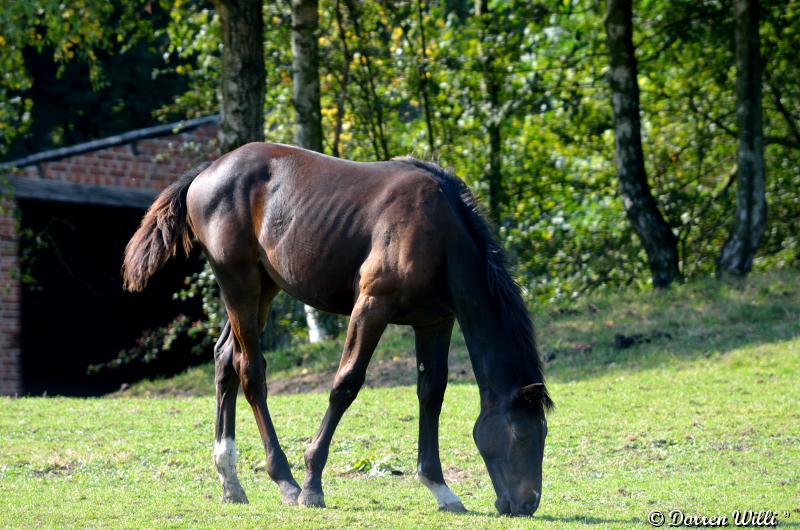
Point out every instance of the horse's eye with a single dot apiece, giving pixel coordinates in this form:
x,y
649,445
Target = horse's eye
x,y
520,434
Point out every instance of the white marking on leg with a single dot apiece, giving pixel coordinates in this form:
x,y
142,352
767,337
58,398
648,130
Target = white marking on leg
x,y
444,495
225,459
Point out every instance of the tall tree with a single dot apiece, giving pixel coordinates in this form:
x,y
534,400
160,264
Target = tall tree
x,y
490,83
308,127
655,234
305,71
243,79
751,205
424,80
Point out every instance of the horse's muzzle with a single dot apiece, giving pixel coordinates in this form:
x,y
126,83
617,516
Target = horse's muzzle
x,y
506,506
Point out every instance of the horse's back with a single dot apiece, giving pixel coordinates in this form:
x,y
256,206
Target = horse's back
x,y
326,229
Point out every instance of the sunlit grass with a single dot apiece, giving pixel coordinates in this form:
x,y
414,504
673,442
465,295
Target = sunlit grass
x,y
704,418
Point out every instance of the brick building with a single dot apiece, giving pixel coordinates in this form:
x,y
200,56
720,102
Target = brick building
x,y
65,215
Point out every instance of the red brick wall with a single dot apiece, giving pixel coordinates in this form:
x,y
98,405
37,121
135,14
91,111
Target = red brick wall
x,y
9,302
147,164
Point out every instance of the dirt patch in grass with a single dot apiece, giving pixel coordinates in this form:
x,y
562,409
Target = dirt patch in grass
x,y
457,475
380,374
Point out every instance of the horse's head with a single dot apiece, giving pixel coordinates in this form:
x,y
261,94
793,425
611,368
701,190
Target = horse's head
x,y
510,434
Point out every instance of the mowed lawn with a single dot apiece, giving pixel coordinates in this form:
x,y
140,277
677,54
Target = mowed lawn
x,y
701,414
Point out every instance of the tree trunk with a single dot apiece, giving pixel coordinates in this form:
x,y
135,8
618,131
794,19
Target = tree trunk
x,y
308,129
495,173
491,88
305,70
424,81
243,72
751,205
655,234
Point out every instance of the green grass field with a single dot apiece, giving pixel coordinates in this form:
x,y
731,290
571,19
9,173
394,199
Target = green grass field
x,y
701,414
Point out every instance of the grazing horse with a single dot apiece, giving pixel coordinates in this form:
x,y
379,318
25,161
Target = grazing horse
x,y
385,242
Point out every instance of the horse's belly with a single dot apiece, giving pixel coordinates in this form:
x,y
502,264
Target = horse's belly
x,y
317,274
338,301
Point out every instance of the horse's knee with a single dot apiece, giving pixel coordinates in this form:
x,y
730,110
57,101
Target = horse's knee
x,y
253,374
224,372
345,388
222,343
430,391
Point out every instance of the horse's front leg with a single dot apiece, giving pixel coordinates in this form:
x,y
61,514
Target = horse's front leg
x,y
432,345
367,322
227,383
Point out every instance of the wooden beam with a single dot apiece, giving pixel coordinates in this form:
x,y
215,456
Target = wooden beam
x,y
53,190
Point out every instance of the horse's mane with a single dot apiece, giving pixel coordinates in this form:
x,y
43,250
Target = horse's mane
x,y
504,291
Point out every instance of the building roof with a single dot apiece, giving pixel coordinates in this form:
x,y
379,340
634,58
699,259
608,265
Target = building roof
x,y
155,131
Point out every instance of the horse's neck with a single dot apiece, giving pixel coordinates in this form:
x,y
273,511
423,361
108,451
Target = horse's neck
x,y
489,343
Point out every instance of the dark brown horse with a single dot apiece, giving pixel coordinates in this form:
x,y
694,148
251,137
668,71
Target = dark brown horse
x,y
387,242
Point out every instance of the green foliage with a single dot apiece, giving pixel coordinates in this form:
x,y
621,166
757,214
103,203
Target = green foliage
x,y
154,343
193,34
204,286
78,71
434,78
395,77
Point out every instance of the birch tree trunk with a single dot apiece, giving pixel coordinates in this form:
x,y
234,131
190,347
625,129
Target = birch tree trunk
x,y
305,71
655,234
308,129
243,73
749,226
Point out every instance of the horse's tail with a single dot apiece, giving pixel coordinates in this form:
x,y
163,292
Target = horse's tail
x,y
163,228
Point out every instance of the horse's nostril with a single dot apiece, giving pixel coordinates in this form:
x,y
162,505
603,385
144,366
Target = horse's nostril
x,y
526,508
503,505
534,505
530,507
536,500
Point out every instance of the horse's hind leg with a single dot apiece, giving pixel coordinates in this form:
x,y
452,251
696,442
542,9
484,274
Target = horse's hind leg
x,y
224,442
367,322
432,345
248,292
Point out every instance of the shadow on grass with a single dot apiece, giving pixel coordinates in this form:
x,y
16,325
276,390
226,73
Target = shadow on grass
x,y
661,328
584,519
630,332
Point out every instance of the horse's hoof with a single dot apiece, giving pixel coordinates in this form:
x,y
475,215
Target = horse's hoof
x,y
289,494
453,507
235,497
310,499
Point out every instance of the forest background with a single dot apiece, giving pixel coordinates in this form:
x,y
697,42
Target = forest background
x,y
613,144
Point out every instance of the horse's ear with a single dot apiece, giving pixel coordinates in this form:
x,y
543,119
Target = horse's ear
x,y
531,393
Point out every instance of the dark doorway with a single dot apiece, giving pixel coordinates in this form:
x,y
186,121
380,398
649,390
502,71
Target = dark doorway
x,y
74,311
